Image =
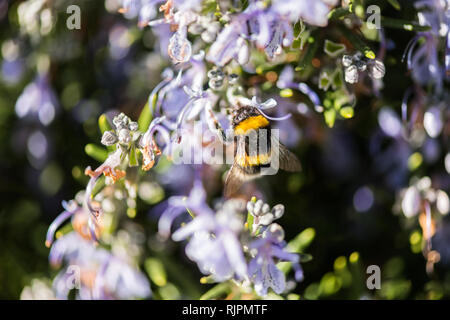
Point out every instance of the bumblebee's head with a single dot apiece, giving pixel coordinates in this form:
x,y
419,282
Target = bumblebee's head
x,y
242,113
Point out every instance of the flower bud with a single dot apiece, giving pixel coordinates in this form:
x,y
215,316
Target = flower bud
x,y
250,206
266,219
124,136
377,69
346,60
361,65
351,74
133,126
278,211
257,208
109,138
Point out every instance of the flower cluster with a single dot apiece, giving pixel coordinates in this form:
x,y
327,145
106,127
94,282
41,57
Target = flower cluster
x,y
274,58
225,248
357,63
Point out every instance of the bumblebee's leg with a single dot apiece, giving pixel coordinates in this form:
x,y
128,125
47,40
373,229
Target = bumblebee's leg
x,y
215,126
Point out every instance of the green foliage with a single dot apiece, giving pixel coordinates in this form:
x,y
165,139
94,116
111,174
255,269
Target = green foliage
x,y
96,152
333,49
146,115
156,271
298,245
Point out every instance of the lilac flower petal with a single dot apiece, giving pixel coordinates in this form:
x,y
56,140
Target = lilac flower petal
x,y
197,224
284,255
234,253
55,225
286,78
166,220
305,89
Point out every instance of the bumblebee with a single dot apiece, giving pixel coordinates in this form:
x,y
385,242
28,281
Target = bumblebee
x,y
254,148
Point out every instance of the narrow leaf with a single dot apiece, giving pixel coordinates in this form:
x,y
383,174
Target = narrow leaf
x,y
104,124
146,115
395,4
96,152
219,290
156,272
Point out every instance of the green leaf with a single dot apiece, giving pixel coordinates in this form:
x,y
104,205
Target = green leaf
x,y
309,55
357,7
395,4
147,114
402,24
299,27
333,49
218,290
358,43
133,158
298,245
347,112
104,124
330,117
324,81
169,292
286,93
296,43
209,6
156,272
99,185
249,221
337,79
337,13
97,152
302,240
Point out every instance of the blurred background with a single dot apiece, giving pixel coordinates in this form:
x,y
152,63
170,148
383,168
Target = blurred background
x,y
55,83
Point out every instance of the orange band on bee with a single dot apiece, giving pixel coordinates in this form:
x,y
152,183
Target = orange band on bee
x,y
251,123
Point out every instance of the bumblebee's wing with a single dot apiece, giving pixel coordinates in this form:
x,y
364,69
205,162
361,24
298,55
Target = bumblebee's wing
x,y
234,180
288,160
236,175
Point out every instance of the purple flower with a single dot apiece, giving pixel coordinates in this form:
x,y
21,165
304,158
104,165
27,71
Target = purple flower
x,y
262,268
37,99
213,242
266,27
172,104
81,222
144,9
230,44
163,32
195,202
314,12
109,169
424,62
101,274
270,30
434,13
